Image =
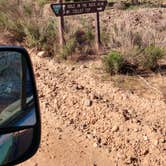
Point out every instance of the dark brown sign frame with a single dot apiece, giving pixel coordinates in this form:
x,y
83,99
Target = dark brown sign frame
x,y
68,9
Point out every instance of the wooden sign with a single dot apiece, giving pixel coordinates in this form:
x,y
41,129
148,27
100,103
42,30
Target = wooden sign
x,y
67,9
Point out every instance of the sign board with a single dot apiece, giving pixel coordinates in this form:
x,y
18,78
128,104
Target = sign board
x,y
67,9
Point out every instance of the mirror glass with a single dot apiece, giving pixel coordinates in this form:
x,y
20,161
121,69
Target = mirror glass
x,y
14,145
17,103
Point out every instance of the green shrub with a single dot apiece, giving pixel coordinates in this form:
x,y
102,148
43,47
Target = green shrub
x,y
32,34
68,49
14,26
144,58
152,55
79,41
89,35
113,62
48,37
42,35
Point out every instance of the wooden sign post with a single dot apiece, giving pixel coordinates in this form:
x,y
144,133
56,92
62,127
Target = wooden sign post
x,y
67,9
61,27
98,37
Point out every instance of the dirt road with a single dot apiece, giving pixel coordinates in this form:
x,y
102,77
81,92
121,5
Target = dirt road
x,y
64,147
88,121
61,145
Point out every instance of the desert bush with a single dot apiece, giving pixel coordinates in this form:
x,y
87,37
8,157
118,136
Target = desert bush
x,y
32,34
113,62
68,49
80,31
134,56
133,60
152,55
49,38
10,20
14,26
84,39
146,58
26,24
78,42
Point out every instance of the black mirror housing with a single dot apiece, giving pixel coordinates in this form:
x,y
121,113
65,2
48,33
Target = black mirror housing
x,y
20,123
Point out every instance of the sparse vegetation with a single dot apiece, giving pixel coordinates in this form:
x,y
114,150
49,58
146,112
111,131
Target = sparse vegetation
x,y
32,29
152,56
113,62
68,49
136,59
138,48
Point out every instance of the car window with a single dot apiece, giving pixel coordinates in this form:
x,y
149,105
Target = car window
x,y
10,79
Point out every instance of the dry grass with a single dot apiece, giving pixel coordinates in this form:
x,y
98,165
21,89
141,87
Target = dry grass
x,y
141,28
120,30
27,25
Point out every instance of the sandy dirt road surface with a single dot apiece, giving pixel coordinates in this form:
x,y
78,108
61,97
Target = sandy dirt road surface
x,y
86,121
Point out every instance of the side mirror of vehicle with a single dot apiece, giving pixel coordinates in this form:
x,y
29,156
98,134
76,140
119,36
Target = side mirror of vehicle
x,y
20,126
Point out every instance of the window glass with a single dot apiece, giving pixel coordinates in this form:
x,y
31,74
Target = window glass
x,y
10,79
